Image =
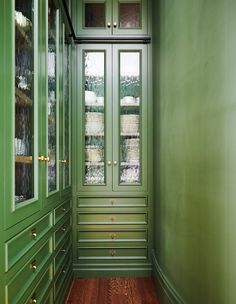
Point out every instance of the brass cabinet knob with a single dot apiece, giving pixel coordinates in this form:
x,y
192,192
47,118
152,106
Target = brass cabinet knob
x,y
112,218
33,265
63,228
63,209
112,252
63,250
115,24
63,161
34,233
41,158
112,236
46,159
108,24
115,162
33,300
109,162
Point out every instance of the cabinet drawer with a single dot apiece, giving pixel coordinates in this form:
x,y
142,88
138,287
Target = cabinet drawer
x,y
62,275
62,231
112,253
61,210
17,287
112,235
40,293
16,247
112,202
61,254
123,217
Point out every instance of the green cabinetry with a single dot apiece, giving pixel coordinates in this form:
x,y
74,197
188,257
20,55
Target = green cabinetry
x,y
111,17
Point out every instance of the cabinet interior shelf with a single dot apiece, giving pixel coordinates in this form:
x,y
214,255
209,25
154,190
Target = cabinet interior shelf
x,y
20,30
23,159
22,100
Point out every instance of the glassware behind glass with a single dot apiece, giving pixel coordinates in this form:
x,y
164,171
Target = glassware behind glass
x,y
94,79
24,101
130,123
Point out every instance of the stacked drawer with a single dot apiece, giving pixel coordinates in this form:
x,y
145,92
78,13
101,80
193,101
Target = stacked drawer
x,y
62,248
111,229
28,263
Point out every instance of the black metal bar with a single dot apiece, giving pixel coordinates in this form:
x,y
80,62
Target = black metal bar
x,y
144,40
69,20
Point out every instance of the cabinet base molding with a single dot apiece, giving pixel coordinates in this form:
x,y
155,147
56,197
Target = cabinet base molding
x,y
166,292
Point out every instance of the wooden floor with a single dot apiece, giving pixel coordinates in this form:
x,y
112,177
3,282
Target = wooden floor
x,y
112,291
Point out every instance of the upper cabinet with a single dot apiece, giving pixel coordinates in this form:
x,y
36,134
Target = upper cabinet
x,y
112,17
113,113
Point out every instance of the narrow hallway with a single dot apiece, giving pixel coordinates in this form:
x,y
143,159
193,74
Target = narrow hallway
x,y
112,291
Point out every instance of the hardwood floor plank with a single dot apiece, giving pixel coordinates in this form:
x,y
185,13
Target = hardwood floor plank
x,y
112,291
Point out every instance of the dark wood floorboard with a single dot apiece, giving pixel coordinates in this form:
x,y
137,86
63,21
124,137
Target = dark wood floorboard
x,y
112,291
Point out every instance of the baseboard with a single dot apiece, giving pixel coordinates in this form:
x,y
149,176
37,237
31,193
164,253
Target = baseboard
x,y
166,292
93,271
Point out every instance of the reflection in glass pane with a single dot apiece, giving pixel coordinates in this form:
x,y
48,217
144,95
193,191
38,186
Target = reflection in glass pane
x,y
130,15
94,117
66,123
95,15
130,105
52,129
24,101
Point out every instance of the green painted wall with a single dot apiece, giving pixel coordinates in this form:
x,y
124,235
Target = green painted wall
x,y
195,147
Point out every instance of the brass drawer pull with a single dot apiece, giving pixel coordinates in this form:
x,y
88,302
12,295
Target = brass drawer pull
x,y
112,218
33,265
34,233
112,252
113,236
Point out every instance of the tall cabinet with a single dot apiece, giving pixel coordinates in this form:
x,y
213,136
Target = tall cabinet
x,y
112,232
35,186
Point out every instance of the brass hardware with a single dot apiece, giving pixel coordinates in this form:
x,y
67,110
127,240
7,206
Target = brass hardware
x,y
63,271
115,162
112,218
41,158
63,228
63,209
33,299
63,161
113,236
115,24
63,250
109,162
108,24
112,252
46,159
34,233
33,265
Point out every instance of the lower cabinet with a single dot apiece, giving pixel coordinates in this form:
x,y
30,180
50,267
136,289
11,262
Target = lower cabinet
x,y
112,234
38,260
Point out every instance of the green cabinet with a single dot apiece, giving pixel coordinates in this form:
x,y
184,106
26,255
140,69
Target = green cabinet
x,y
113,112
36,108
111,17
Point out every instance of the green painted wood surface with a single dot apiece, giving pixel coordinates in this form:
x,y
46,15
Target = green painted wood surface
x,y
195,147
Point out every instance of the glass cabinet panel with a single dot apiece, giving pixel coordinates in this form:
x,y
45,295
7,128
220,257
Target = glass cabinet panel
x,y
94,15
24,102
66,118
94,80
52,97
130,15
130,121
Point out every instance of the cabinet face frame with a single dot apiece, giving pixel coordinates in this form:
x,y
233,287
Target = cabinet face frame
x,y
112,17
112,111
14,214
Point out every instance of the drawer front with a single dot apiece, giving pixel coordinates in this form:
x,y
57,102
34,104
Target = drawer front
x,y
61,254
17,287
112,202
112,253
20,244
40,293
123,217
61,210
112,235
62,275
62,231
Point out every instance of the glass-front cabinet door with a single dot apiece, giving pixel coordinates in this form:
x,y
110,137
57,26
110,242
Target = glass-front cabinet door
x,y
112,17
22,104
129,116
52,100
113,113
